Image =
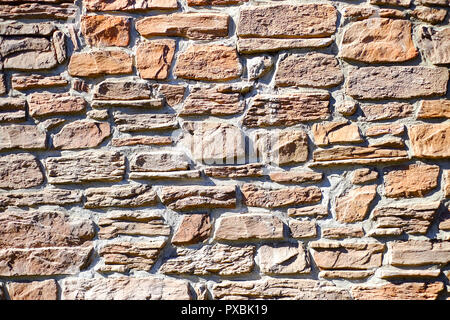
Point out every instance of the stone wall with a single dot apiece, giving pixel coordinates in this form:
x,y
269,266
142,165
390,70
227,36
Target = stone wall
x,y
224,149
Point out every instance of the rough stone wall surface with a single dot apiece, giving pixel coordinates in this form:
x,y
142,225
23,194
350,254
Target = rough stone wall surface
x,y
224,149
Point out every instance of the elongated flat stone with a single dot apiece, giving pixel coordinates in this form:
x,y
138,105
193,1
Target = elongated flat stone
x,y
47,104
259,45
144,122
42,197
12,109
120,196
419,252
404,291
22,137
100,5
122,90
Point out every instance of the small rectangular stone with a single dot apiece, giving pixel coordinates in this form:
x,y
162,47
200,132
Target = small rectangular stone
x,y
400,3
141,140
159,161
318,211
140,104
38,10
144,122
22,137
171,175
287,21
303,229
135,195
430,140
403,291
12,109
343,153
382,129
47,104
101,5
287,109
122,90
284,258
42,197
99,63
238,171
261,45
17,28
35,290
419,252
431,109
87,166
343,232
397,82
37,81
296,176
387,111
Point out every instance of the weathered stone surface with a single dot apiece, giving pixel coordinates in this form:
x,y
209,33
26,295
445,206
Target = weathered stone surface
x,y
12,109
364,175
258,67
59,45
198,197
41,229
386,111
144,122
22,137
149,223
123,256
217,101
214,142
214,2
37,81
302,229
356,12
382,129
412,218
286,109
296,176
257,45
125,288
249,227
172,93
17,28
392,273
81,134
418,252
35,290
31,60
191,25
430,15
193,228
208,62
47,104
435,44
155,103
284,258
343,232
356,153
335,132
106,31
378,40
347,108
404,291
98,114
218,259
87,166
159,162
430,140
61,11
397,82
20,171
239,171
414,180
16,45
154,58
345,274
42,197
444,3
281,147
318,211
316,70
430,109
274,288
98,63
121,90
255,196
446,175
141,140
388,142
133,5
400,3
336,255
170,175
120,196
287,21
354,205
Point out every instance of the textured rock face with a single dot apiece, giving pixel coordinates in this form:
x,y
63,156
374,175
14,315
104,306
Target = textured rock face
x,y
417,253
430,109
435,44
310,70
120,196
387,111
193,228
48,196
430,140
125,288
255,196
46,104
106,31
154,58
22,137
86,167
199,26
397,82
98,63
354,206
145,122
36,290
121,90
217,259
335,132
404,291
411,181
208,62
379,40
308,20
81,134
295,289
283,259
20,171
287,109
249,226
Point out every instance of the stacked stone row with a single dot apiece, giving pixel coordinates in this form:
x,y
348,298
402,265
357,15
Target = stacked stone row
x,y
224,149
